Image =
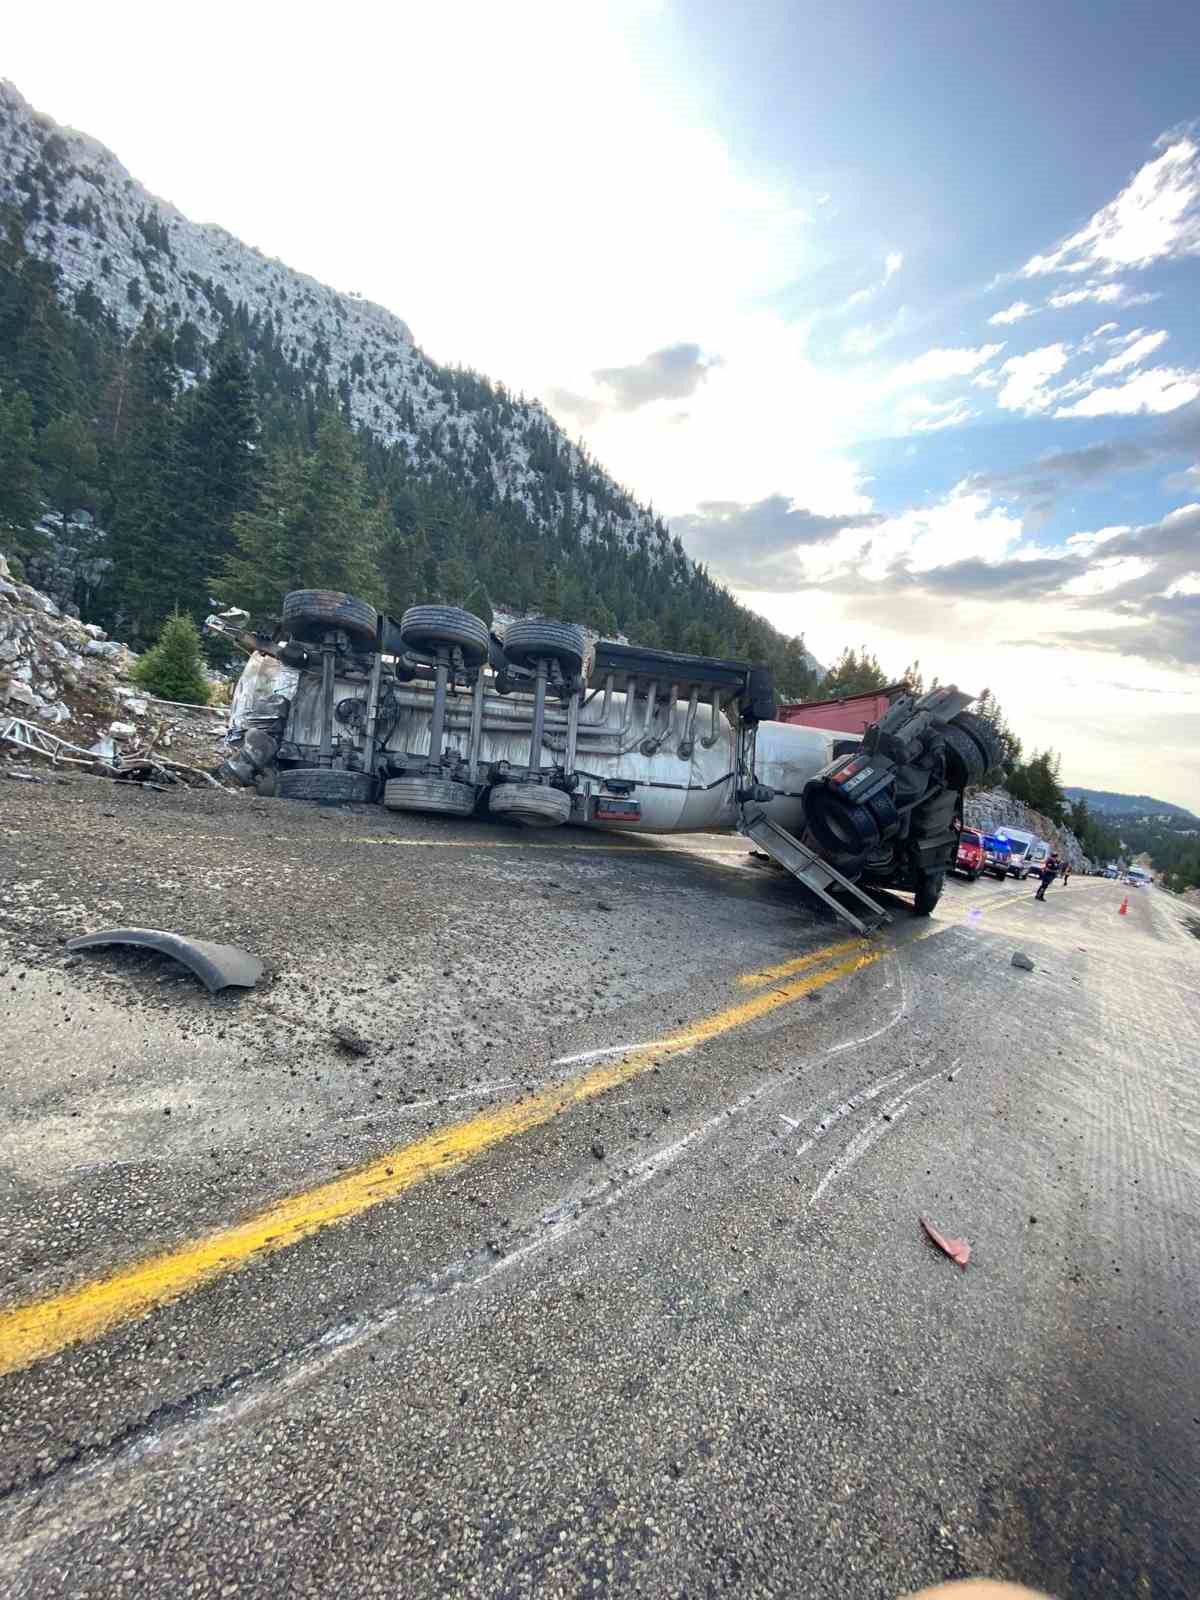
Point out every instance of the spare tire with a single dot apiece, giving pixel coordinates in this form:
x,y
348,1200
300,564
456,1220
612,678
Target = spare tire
x,y
984,735
439,795
424,628
545,640
333,785
965,761
839,827
310,613
532,805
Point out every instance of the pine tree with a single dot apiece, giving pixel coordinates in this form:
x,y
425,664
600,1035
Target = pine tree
x,y
854,672
453,581
314,527
551,599
218,469
69,461
18,475
172,669
479,605
148,548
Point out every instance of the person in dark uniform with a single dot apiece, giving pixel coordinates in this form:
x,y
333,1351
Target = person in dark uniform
x,y
1050,870
1066,872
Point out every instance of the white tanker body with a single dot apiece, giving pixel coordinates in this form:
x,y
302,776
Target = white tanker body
x,y
683,786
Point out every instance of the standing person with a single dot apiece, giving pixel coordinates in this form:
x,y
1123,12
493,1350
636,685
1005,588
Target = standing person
x,y
1048,874
1066,872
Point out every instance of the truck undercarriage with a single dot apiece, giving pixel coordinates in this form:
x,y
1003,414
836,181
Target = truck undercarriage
x,y
542,725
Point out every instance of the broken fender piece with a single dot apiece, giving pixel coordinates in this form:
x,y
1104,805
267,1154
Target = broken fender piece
x,y
957,1249
218,966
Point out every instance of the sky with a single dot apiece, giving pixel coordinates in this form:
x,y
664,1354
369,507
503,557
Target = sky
x,y
889,310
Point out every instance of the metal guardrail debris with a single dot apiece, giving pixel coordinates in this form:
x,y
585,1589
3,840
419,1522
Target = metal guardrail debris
x,y
142,764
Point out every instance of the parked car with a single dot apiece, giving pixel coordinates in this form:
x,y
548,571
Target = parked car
x,y
1027,852
969,860
996,855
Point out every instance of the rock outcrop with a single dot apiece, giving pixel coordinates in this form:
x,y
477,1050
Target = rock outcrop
x,y
72,679
989,809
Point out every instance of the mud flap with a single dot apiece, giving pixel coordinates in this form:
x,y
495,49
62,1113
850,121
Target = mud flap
x,y
218,966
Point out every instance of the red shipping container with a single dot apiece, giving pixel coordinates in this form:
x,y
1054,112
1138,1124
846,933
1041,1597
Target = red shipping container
x,y
849,715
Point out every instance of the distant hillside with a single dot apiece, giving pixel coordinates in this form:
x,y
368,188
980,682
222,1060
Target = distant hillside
x,y
228,426
1128,805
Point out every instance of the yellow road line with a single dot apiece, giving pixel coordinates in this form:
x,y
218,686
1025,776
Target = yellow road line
x,y
786,969
42,1328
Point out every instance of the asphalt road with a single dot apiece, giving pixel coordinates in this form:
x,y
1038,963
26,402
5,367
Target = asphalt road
x,y
600,1272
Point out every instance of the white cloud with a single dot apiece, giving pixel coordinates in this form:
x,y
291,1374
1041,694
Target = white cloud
x,y
1105,327
1132,355
1026,377
988,379
1156,216
932,416
1082,544
1157,390
935,366
1107,575
1013,313
893,261
1100,294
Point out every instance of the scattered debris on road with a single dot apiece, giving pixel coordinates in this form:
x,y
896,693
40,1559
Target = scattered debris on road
x,y
352,1043
142,764
218,966
957,1249
1020,959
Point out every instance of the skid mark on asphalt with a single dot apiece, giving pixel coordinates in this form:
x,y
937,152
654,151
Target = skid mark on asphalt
x,y
890,1114
31,1332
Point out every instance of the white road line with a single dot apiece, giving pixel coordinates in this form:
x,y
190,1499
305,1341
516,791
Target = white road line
x,y
598,1055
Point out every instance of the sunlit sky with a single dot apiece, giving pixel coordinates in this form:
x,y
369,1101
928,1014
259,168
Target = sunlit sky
x,y
890,310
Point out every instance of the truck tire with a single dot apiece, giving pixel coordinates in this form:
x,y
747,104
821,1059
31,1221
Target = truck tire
x,y
929,892
965,761
983,734
532,805
424,628
309,613
839,828
439,795
544,639
333,785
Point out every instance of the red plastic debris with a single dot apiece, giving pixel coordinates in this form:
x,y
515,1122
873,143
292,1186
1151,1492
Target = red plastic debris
x,y
957,1249
1124,907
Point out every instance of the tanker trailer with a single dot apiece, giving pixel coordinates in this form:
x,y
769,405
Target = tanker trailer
x,y
542,725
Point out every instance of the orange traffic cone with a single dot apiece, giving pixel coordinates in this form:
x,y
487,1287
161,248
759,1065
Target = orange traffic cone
x,y
1124,911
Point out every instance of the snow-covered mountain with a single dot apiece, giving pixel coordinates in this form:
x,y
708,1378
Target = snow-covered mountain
x,y
117,245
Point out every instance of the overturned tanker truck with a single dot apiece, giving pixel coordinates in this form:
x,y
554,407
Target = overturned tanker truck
x,y
542,725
